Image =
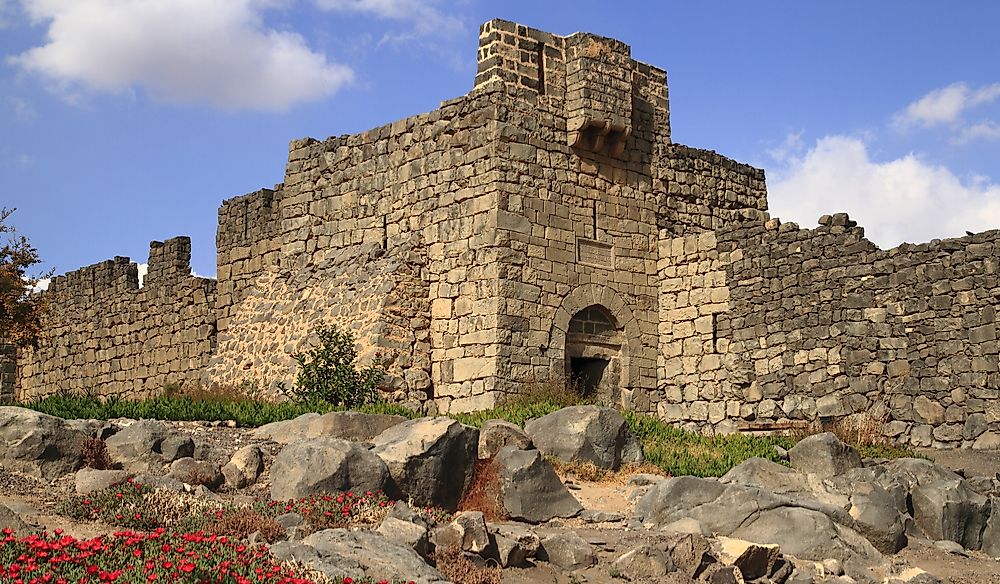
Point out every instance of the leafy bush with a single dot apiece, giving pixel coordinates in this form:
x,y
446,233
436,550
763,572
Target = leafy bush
x,y
327,372
20,310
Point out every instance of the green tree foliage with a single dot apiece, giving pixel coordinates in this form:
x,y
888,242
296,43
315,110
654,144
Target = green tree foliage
x,y
327,372
20,309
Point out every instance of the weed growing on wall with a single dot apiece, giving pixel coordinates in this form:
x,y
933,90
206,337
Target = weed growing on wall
x,y
327,372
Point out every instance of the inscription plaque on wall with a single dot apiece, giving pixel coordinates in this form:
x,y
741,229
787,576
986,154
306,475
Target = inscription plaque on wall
x,y
595,253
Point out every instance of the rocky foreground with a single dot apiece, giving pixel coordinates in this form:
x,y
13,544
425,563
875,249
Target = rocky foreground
x,y
828,517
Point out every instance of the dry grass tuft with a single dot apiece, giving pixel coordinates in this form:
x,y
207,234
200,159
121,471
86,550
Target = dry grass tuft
x,y
243,522
457,568
483,493
213,393
556,389
95,454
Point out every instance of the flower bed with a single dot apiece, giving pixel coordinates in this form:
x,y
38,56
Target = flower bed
x,y
127,556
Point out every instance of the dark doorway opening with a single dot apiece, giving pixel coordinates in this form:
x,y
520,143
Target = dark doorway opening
x,y
588,373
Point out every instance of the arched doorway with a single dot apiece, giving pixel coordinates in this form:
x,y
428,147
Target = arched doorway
x,y
594,342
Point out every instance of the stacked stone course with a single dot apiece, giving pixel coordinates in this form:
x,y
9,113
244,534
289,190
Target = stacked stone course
x,y
797,325
475,249
106,335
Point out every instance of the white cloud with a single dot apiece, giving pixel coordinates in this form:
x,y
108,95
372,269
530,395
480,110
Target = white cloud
x,y
143,269
42,284
183,51
424,16
6,13
791,145
905,199
945,105
985,130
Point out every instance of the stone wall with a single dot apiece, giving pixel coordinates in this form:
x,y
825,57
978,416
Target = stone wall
x,y
588,173
764,325
8,372
247,244
104,334
706,191
460,243
378,232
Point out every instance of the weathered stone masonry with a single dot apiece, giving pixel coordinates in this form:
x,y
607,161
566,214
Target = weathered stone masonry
x,y
541,225
109,336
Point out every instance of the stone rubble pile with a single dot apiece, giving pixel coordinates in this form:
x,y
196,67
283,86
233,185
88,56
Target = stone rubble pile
x,y
829,517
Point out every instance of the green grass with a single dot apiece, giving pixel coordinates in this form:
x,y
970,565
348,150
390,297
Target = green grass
x,y
679,452
246,412
674,451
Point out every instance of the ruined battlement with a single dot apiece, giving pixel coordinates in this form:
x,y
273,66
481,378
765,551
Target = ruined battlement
x,y
592,78
104,331
545,224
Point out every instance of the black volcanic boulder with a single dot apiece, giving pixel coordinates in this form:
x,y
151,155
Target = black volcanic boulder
x,y
530,490
430,459
353,426
147,445
824,455
326,465
38,444
594,434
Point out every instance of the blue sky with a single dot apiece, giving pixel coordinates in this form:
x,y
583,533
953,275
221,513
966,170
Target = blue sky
x,y
124,121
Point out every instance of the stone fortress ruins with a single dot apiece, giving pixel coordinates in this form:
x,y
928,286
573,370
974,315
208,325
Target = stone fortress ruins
x,y
545,224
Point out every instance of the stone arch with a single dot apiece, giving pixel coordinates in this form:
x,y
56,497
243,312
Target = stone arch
x,y
628,338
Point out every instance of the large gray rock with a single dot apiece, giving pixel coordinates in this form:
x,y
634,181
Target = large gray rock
x,y
326,465
913,472
91,480
809,534
430,459
645,561
530,490
405,533
805,529
353,426
950,510
991,535
569,551
586,434
196,472
515,544
10,519
37,444
879,515
147,445
824,455
338,553
779,479
244,467
495,434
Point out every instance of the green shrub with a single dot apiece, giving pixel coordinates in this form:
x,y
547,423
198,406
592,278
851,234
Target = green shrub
x,y
327,372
